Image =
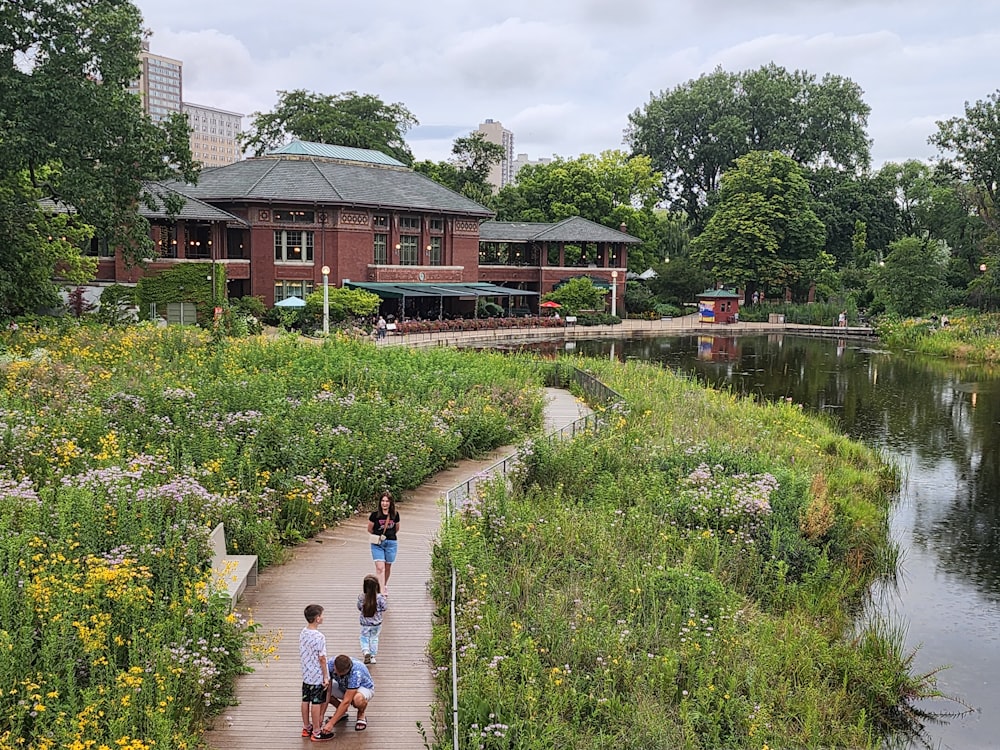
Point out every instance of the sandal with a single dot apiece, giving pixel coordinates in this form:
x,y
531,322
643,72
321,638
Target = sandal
x,y
360,725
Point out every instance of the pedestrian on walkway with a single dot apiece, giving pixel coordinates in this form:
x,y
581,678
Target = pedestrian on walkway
x,y
842,319
371,603
384,522
351,684
380,328
315,675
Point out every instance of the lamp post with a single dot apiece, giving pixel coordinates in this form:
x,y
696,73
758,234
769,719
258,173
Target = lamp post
x,y
326,300
614,293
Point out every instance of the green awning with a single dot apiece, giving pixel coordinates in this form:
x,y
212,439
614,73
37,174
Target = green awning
x,y
445,289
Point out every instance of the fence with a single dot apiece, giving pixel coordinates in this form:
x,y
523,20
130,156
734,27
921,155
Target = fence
x,y
595,392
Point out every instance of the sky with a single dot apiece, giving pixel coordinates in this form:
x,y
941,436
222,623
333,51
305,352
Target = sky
x,y
564,75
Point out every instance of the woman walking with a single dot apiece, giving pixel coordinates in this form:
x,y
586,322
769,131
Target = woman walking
x,y
384,522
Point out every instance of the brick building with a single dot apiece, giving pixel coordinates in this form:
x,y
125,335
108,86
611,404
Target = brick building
x,y
273,222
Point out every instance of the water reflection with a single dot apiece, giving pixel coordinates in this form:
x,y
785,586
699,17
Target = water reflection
x,y
940,419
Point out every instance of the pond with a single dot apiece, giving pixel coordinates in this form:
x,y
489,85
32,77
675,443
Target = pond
x,y
941,421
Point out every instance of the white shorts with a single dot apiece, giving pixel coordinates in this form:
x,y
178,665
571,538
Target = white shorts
x,y
339,694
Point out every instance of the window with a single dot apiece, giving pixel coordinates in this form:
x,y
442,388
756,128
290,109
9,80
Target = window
x,y
410,222
409,254
381,255
434,250
437,225
168,242
293,245
99,246
299,217
380,221
285,289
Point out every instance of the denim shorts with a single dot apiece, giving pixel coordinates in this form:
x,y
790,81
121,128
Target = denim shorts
x,y
385,552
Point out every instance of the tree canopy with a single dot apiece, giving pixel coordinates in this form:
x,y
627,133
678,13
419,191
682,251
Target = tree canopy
x,y
611,189
472,159
763,230
345,119
71,132
694,132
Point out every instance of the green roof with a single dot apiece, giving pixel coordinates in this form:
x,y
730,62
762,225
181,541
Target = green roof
x,y
719,294
447,289
328,151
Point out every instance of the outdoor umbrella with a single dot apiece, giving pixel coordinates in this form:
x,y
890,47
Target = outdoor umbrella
x,y
550,304
291,302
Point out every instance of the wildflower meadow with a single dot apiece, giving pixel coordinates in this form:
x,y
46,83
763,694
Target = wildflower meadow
x,y
689,575
122,448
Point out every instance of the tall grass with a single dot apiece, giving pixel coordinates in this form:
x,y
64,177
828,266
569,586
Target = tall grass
x,y
684,578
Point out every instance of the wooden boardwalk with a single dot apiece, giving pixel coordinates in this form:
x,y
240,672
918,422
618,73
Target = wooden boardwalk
x,y
328,569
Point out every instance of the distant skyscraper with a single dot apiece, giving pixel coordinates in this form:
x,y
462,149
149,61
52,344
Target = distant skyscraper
x,y
494,132
160,84
213,135
521,161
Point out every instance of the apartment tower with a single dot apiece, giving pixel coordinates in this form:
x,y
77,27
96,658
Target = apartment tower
x,y
501,174
160,84
213,135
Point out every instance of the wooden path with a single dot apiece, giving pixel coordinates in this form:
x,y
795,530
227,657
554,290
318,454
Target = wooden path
x,y
328,570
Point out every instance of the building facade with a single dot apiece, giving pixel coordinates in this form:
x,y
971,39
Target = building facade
x,y
160,85
272,224
522,161
214,134
500,174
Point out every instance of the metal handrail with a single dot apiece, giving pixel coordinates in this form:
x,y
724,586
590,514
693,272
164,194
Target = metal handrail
x,y
594,391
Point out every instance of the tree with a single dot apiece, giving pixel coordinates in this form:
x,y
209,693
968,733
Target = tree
x,y
696,131
472,159
842,199
679,281
764,230
579,293
611,189
71,133
912,280
972,145
346,119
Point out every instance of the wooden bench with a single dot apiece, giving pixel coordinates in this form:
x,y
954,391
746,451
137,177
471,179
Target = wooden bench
x,y
232,572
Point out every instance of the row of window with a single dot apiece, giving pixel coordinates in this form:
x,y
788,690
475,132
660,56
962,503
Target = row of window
x,y
294,245
379,221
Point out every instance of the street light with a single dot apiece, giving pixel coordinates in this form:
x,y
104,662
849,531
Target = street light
x,y
326,300
614,293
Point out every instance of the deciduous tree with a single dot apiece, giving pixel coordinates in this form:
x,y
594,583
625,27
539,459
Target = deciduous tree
x,y
346,119
71,132
469,168
694,132
764,230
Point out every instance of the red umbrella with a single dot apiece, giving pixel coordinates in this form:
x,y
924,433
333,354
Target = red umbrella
x,y
550,304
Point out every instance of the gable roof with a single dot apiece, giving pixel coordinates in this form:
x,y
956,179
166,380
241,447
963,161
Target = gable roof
x,y
318,180
328,151
573,229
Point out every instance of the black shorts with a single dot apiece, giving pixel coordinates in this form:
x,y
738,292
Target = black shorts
x,y
315,694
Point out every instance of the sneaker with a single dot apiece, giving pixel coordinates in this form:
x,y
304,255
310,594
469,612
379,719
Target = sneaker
x,y
323,736
307,731
371,659
368,658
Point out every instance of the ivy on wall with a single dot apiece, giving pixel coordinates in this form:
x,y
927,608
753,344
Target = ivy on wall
x,y
185,282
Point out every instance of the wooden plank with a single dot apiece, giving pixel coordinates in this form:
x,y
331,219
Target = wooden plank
x,y
328,570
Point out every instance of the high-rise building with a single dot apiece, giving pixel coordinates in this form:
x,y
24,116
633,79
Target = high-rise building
x,y
501,174
160,84
522,160
213,135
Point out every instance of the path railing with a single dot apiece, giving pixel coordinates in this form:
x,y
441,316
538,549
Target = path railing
x,y
595,392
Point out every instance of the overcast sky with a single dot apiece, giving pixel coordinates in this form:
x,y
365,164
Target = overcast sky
x,y
563,75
